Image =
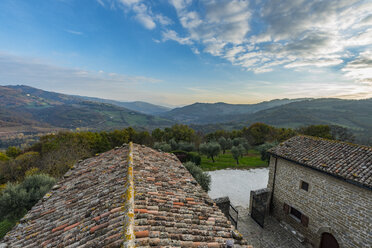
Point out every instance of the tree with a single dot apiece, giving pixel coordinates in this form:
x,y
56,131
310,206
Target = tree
x,y
225,144
118,137
158,135
259,133
342,133
265,156
242,150
322,131
284,134
236,152
186,146
13,151
143,138
173,143
180,132
210,149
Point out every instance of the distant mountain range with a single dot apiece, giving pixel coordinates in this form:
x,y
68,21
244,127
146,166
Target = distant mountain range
x,y
209,113
24,106
355,115
139,106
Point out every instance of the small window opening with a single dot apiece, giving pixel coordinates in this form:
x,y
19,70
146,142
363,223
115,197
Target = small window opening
x,y
304,186
295,213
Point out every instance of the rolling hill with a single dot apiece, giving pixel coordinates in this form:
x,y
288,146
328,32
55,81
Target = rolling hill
x,y
26,106
211,113
355,115
139,106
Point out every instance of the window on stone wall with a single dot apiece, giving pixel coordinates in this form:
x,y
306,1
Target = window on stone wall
x,y
304,185
295,213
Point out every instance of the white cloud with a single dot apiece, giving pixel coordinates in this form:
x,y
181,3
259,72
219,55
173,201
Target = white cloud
x,y
163,20
172,35
101,2
142,12
129,2
286,33
146,21
73,32
195,50
360,68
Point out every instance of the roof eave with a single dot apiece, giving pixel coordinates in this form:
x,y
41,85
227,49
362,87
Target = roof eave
x,y
322,171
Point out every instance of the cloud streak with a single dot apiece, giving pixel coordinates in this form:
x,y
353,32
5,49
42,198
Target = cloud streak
x,y
21,70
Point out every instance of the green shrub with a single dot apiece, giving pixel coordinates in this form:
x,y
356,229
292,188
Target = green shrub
x,y
13,201
186,146
162,146
16,199
5,226
194,157
200,176
13,151
15,169
184,156
3,157
37,186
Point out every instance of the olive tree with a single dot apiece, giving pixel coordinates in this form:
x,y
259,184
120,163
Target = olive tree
x,y
210,149
225,144
237,152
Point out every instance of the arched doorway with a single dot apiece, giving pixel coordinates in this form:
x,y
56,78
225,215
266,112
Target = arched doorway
x,y
328,241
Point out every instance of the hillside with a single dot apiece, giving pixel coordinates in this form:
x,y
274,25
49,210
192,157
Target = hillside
x,y
209,113
27,106
355,115
139,106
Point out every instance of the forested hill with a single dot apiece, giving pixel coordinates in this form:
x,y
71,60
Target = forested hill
x,y
139,106
355,115
207,113
25,106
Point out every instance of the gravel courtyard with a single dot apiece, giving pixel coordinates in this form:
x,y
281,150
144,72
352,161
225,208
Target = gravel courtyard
x,y
237,184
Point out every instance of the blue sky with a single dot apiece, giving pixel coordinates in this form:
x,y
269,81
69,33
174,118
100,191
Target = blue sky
x,y
176,52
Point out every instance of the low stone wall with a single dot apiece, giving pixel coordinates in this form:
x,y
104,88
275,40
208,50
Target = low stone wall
x,y
330,204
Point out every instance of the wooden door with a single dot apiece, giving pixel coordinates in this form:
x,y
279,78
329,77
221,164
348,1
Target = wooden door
x,y
328,241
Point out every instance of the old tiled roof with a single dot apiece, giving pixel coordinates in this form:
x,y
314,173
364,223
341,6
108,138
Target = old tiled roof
x,y
346,161
88,206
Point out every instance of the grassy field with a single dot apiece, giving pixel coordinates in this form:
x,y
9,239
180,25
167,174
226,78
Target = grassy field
x,y
224,161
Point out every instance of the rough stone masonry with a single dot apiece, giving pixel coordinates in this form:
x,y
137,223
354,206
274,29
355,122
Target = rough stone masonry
x,y
338,196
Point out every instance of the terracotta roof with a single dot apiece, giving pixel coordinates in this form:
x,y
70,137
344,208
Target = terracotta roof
x,y
346,161
89,206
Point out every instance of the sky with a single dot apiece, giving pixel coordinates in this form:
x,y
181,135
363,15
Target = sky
x,y
177,52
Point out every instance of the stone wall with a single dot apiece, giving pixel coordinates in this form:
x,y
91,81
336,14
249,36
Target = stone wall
x,y
258,205
224,204
331,205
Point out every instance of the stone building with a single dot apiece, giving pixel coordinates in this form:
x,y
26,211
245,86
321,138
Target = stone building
x,y
323,190
143,199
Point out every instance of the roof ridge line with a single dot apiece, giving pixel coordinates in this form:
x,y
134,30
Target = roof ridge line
x,y
128,205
